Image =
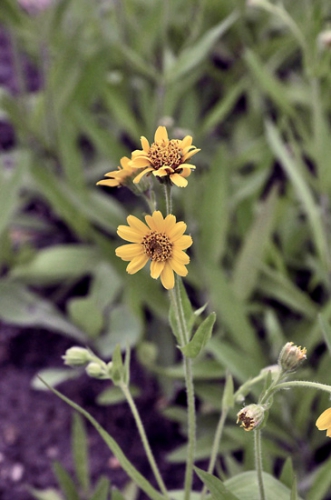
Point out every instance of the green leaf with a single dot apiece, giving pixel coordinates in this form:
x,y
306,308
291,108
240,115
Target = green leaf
x,y
80,452
117,368
48,494
215,486
304,194
116,495
55,264
85,313
21,307
101,490
326,330
10,186
53,377
200,338
66,483
189,317
250,257
228,399
245,487
115,449
194,55
287,475
322,482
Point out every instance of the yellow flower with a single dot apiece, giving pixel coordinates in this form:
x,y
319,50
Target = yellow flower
x,y
323,423
161,241
118,177
165,158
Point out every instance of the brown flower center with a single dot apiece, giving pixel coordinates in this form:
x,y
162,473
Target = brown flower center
x,y
165,153
157,246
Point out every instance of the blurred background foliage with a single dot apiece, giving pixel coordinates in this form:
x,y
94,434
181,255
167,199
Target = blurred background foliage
x,y
250,81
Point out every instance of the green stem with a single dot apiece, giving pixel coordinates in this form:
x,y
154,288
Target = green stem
x,y
144,439
168,198
304,383
215,448
191,417
258,462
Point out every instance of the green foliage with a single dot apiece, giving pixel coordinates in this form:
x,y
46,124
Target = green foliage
x,y
250,82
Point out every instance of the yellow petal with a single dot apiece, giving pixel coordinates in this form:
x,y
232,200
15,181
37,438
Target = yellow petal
x,y
179,268
184,242
161,134
161,172
139,176
155,221
137,224
136,264
156,269
177,231
124,161
129,251
169,224
109,182
168,277
178,180
186,142
324,420
180,256
129,234
189,154
328,432
140,162
144,143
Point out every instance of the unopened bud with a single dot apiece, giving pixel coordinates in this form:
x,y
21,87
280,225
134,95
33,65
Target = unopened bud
x,y
95,370
291,357
251,417
76,356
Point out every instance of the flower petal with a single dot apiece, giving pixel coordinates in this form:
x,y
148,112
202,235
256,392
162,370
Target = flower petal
x,y
184,242
179,268
178,180
137,263
140,162
186,142
167,277
324,420
169,224
155,221
141,175
129,251
180,256
137,224
161,134
129,234
189,154
156,268
144,143
109,182
177,231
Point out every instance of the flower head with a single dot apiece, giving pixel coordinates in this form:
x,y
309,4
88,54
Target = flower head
x,y
251,417
291,357
165,158
160,240
323,423
120,176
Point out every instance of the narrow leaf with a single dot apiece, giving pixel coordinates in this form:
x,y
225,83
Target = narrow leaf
x,y
200,338
326,330
215,486
80,452
65,482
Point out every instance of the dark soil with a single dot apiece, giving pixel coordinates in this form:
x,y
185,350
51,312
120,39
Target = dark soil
x,y
35,425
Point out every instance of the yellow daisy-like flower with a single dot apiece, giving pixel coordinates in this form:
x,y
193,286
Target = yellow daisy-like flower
x,y
165,158
323,423
120,176
161,241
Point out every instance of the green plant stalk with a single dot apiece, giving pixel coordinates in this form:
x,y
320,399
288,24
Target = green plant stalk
x,y
215,448
168,198
303,383
191,417
144,439
258,462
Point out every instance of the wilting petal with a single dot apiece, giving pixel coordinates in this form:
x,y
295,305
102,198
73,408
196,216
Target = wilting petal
x,y
137,263
167,277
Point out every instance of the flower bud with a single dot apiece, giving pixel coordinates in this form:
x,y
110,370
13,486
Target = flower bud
x,y
95,370
291,357
251,417
76,356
